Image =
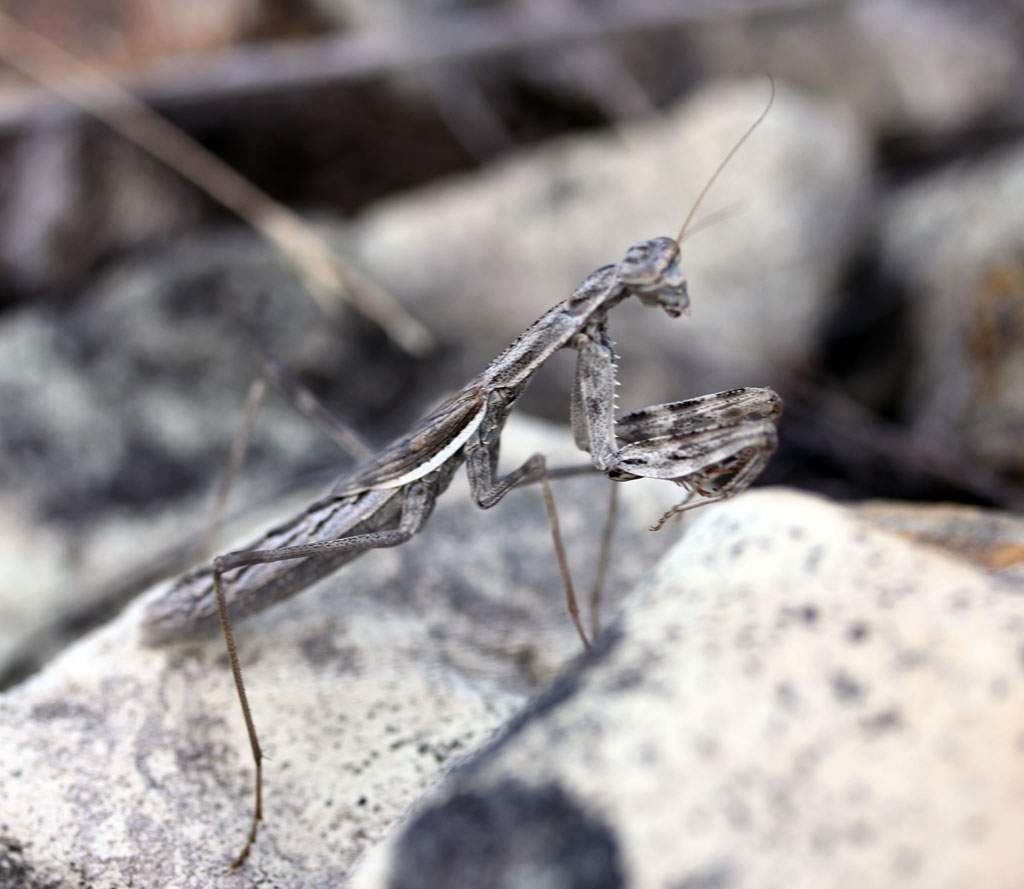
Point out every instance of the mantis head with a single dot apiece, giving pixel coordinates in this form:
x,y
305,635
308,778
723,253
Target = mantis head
x,y
651,270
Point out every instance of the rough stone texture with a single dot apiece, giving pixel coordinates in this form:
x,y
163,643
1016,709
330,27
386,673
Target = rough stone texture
x,y
486,255
118,414
793,699
128,766
955,239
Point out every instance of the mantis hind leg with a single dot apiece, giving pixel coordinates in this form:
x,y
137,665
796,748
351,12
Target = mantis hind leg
x,y
417,504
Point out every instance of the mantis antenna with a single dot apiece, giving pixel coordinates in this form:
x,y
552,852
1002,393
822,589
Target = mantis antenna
x,y
726,159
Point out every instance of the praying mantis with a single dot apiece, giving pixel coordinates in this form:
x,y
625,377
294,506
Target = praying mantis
x,y
713,447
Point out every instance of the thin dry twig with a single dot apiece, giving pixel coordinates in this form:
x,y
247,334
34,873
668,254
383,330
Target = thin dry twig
x,y
325,275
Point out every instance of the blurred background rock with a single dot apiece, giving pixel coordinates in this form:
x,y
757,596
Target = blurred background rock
x,y
863,254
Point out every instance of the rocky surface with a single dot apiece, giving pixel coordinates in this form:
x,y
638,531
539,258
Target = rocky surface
x,y
793,697
118,415
801,695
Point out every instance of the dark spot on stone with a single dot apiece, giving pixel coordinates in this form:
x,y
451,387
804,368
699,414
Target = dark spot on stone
x,y
648,754
888,720
780,799
14,870
507,836
857,633
906,861
746,637
823,841
706,746
361,801
795,532
674,633
809,614
737,813
753,667
813,559
846,688
320,650
737,549
860,833
562,189
999,687
911,659
960,600
625,680
786,695
48,711
715,876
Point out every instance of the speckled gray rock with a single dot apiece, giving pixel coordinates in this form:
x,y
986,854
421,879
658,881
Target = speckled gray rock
x,y
118,414
794,699
513,239
124,765
956,239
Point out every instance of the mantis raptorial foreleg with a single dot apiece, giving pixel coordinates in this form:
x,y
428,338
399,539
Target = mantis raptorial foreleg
x,y
592,405
713,446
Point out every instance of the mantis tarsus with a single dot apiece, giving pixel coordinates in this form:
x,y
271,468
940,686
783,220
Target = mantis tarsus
x,y
713,446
